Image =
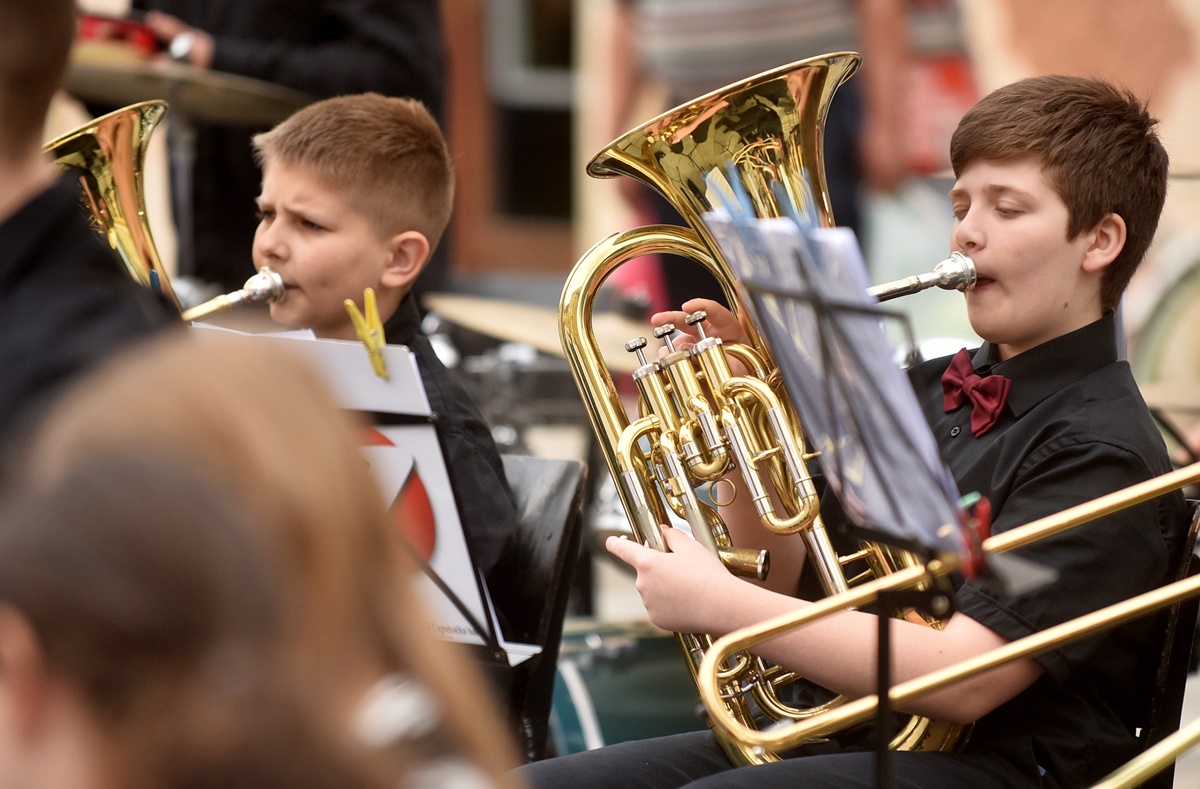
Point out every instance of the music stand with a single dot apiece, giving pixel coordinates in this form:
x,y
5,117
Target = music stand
x,y
807,288
405,457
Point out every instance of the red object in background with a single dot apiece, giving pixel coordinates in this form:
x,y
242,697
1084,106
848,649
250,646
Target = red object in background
x,y
98,29
940,90
411,511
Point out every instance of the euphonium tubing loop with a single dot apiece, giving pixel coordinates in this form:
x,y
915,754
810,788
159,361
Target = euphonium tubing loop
x,y
108,154
697,421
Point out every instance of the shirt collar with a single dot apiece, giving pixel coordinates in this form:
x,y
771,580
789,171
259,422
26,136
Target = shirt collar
x,y
1054,365
405,322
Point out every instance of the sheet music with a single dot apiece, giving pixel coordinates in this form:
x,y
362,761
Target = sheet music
x,y
856,406
407,463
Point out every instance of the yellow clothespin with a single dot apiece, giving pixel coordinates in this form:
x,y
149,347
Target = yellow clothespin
x,y
370,330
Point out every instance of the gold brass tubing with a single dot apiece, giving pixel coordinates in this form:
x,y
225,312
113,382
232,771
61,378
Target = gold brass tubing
x,y
604,407
861,709
644,511
751,360
807,502
109,155
210,307
1091,510
1153,760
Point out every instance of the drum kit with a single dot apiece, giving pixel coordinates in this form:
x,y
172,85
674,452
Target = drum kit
x,y
115,63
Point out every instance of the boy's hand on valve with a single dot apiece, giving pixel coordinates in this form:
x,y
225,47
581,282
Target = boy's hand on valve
x,y
720,322
676,586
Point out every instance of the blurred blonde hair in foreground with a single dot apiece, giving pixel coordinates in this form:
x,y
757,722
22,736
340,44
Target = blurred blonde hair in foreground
x,y
139,630
260,423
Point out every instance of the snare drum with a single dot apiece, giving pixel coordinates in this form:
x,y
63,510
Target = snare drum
x,y
619,682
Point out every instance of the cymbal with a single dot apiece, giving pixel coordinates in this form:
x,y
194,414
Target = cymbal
x,y
198,95
1178,394
537,326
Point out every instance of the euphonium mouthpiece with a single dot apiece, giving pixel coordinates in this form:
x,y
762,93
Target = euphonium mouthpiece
x,y
266,286
956,272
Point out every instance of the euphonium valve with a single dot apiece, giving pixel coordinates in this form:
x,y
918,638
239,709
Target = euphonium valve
x,y
265,286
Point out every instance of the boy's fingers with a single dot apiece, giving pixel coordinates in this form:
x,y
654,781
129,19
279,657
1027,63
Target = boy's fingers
x,y
670,316
624,549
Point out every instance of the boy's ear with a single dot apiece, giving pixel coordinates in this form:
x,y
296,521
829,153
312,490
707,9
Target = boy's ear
x,y
409,252
1107,239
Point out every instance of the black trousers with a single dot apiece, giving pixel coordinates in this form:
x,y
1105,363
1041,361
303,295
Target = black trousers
x,y
695,760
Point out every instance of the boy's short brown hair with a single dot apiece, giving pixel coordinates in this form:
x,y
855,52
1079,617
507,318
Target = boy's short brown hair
x,y
1098,146
386,157
35,41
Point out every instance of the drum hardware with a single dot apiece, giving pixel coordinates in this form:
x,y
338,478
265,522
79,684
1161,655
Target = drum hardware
x,y
532,324
619,681
197,95
519,390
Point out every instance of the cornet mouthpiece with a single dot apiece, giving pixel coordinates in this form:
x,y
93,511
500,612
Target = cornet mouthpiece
x,y
266,286
956,272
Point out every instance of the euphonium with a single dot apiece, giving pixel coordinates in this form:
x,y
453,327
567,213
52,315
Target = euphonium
x,y
698,421
108,154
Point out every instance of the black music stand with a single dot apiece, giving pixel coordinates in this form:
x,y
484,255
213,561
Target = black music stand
x,y
808,291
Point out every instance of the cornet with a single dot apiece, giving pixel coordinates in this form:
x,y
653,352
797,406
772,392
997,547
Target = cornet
x,y
109,154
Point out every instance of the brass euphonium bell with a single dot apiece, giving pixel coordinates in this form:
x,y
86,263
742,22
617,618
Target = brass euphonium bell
x,y
109,154
697,419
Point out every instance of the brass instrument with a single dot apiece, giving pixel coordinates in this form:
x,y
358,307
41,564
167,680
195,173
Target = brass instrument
x,y
109,153
956,272
697,419
1132,774
266,285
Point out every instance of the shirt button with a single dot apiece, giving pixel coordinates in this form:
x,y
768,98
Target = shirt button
x,y
954,431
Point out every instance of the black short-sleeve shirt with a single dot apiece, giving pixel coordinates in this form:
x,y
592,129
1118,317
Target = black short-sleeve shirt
x,y
1075,427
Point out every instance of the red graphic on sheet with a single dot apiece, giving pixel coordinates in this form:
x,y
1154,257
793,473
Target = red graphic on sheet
x,y
411,511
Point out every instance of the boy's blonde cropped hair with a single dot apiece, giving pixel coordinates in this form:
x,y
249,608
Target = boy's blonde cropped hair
x,y
385,156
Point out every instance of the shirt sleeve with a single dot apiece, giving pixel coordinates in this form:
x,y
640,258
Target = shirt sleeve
x,y
1095,564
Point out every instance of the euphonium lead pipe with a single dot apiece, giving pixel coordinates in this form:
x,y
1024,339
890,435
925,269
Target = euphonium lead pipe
x,y
956,272
266,286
